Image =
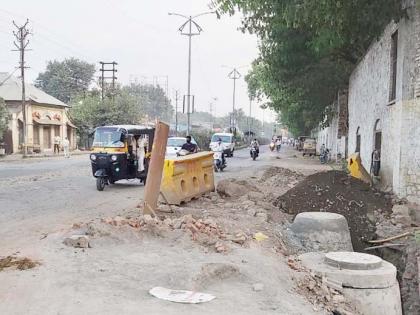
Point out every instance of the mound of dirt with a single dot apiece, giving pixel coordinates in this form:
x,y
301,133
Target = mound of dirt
x,y
17,263
335,191
279,176
234,188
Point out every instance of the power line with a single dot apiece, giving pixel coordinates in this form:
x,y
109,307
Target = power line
x,y
9,76
72,47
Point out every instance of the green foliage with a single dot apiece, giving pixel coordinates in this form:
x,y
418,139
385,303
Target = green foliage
x,y
66,79
307,50
151,99
130,105
4,118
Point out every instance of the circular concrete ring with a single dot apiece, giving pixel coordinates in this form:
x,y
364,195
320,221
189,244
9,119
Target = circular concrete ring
x,y
319,221
353,260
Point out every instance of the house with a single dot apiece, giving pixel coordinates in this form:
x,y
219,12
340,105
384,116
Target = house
x,y
46,117
384,107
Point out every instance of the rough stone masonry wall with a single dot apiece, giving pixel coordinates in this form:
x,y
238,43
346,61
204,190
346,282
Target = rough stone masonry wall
x,y
369,101
409,184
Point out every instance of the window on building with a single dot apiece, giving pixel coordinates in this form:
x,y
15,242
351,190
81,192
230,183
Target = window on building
x,y
358,140
394,57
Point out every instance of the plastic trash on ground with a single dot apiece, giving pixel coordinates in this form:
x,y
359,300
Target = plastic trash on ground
x,y
181,296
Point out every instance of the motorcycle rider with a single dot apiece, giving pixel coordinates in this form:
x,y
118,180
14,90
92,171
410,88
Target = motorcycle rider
x,y
219,147
278,144
256,145
189,146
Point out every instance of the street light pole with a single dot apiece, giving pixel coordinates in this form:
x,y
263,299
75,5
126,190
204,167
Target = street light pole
x,y
190,21
249,118
234,75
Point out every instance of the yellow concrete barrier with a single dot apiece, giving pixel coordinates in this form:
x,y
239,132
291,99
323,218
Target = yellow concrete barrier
x,y
187,177
356,169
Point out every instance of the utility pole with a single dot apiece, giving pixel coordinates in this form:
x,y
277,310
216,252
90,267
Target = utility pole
x,y
214,99
189,32
21,43
249,118
103,70
176,113
234,75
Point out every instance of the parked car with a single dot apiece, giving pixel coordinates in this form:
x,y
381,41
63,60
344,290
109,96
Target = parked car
x,y
228,140
309,147
174,145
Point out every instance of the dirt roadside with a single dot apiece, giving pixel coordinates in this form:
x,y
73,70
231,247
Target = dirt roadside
x,y
129,254
229,244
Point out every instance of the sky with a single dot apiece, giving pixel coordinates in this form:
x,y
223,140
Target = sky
x,y
143,39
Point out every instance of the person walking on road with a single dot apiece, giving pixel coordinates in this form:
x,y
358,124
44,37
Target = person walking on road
x,y
57,144
376,162
66,147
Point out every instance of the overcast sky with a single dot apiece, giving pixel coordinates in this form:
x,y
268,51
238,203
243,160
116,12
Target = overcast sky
x,y
142,38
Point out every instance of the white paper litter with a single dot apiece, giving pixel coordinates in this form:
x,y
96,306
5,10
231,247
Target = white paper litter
x,y
181,296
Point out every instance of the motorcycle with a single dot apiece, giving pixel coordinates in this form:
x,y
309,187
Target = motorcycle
x,y
278,147
272,146
219,163
254,153
324,157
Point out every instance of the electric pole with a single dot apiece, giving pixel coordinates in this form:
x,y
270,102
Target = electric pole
x,y
214,99
234,75
249,118
176,113
186,30
21,43
104,69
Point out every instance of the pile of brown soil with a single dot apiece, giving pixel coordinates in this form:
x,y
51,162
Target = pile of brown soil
x,y
335,191
18,263
279,176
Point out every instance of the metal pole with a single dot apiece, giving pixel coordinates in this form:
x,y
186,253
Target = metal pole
x,y
233,101
176,113
250,120
189,78
190,34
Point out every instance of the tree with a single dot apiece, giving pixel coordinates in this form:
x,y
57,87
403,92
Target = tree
x,y
152,100
66,79
4,118
308,50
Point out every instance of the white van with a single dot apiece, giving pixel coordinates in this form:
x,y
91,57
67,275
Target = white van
x,y
228,140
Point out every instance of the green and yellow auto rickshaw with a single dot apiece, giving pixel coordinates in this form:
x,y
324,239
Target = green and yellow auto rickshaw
x,y
121,152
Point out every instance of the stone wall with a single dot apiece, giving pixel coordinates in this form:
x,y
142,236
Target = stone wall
x,y
369,105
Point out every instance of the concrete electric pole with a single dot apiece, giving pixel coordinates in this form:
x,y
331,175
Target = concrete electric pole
x,y
21,43
187,30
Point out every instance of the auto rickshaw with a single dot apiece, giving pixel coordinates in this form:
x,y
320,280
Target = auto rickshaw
x,y
121,152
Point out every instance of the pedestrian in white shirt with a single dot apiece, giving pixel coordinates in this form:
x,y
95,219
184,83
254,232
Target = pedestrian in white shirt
x,y
66,147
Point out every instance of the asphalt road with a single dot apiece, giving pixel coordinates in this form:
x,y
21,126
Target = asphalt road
x,y
40,196
44,195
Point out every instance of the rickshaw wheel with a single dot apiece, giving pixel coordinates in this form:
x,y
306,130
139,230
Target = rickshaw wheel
x,y
100,183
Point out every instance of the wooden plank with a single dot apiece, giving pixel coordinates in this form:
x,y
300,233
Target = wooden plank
x,y
154,175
